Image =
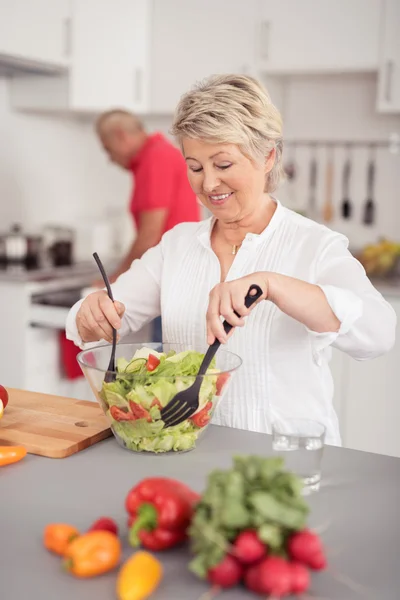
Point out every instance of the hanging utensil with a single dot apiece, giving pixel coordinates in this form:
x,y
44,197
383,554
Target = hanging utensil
x,y
327,211
291,174
185,403
110,375
369,208
312,200
346,208
290,166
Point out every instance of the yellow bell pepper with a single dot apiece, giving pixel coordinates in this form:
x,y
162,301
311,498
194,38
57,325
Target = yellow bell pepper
x,y
139,577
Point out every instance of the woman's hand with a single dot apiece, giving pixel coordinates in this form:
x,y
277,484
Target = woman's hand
x,y
228,297
97,316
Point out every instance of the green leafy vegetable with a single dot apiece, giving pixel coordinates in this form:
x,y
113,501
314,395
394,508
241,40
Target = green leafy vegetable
x,y
152,390
257,493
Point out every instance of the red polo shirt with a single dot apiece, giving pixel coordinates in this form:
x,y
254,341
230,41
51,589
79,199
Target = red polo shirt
x,y
160,182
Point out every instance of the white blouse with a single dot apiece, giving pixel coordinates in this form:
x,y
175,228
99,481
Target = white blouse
x,y
285,371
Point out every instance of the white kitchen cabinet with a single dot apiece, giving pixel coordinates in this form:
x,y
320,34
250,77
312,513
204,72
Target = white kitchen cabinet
x,y
389,61
110,54
367,398
319,36
372,400
192,40
109,62
35,31
144,54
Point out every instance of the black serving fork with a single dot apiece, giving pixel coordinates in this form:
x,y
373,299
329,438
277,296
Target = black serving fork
x,y
110,375
184,404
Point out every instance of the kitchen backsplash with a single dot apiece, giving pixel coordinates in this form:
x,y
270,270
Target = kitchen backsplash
x,y
53,170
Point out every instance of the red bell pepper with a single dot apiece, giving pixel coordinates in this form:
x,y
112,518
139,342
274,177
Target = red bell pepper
x,y
160,512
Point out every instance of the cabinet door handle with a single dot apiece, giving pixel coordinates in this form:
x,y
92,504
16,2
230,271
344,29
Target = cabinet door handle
x,y
138,86
388,80
67,36
265,35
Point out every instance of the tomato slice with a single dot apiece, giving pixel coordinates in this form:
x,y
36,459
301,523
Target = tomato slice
x,y
157,403
139,412
120,415
221,381
152,362
202,418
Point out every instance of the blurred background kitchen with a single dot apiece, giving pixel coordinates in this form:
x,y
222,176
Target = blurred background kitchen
x,y
331,66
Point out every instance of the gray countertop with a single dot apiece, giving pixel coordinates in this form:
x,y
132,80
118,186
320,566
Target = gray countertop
x,y
359,502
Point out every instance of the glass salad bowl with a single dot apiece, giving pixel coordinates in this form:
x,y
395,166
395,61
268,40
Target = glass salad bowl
x,y
146,378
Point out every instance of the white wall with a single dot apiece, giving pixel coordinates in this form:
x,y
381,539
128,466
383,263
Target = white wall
x,y
343,108
53,170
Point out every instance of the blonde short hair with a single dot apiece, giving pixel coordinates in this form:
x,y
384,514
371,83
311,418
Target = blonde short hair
x,y
233,109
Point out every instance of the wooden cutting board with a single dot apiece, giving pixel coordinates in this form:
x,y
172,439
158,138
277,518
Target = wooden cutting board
x,y
51,426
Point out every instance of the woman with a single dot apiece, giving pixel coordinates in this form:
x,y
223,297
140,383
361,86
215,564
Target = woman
x,y
315,294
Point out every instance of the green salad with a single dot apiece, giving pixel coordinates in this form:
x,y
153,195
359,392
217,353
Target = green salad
x,y
144,385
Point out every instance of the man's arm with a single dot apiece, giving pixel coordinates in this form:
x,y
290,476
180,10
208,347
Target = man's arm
x,y
150,230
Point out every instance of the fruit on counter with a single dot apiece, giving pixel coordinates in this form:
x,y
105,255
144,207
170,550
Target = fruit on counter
x,y
381,258
139,577
145,385
3,399
57,537
104,524
160,510
11,454
92,554
254,517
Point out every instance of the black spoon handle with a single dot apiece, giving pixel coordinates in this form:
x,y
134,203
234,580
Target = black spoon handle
x,y
104,275
111,364
249,301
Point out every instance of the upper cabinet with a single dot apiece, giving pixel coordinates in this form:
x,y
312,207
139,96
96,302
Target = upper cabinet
x,y
144,54
110,54
34,33
192,40
389,63
318,36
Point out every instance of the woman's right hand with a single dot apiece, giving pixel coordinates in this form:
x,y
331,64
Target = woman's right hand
x,y
97,316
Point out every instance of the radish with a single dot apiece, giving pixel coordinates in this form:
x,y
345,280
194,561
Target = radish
x,y
252,579
227,573
275,577
249,548
318,562
306,547
300,578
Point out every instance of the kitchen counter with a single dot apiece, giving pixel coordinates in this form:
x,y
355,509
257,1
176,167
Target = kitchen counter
x,y
358,503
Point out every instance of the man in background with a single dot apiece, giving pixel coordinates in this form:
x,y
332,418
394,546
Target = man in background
x,y
161,196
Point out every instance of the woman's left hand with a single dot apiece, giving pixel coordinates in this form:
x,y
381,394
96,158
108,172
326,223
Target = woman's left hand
x,y
227,297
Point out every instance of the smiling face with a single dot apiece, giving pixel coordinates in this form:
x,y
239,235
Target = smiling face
x,y
226,181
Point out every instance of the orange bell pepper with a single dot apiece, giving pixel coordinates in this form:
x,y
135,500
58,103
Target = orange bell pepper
x,y
139,576
11,454
57,536
92,554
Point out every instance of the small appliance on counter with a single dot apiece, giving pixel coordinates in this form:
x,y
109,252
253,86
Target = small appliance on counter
x,y
19,249
59,245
